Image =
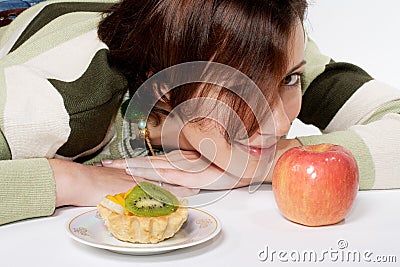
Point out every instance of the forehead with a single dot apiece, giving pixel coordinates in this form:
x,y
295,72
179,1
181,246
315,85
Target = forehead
x,y
297,46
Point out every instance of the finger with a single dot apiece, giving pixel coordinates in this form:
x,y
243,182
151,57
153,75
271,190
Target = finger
x,y
176,155
144,162
187,161
169,176
116,163
181,191
190,180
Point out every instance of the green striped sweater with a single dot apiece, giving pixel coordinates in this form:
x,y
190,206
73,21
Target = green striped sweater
x,y
59,98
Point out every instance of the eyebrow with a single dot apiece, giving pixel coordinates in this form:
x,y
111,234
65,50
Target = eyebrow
x,y
303,62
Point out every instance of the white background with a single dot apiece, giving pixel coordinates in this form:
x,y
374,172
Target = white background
x,y
363,32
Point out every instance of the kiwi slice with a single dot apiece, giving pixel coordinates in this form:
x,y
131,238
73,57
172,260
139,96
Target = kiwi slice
x,y
150,200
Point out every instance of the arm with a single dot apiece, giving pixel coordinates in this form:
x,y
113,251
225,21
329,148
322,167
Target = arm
x,y
355,111
35,187
27,189
47,113
83,185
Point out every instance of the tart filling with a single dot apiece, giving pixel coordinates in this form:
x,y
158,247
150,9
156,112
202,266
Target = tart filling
x,y
127,226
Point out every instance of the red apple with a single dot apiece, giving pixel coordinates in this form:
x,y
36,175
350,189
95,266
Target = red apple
x,y
315,185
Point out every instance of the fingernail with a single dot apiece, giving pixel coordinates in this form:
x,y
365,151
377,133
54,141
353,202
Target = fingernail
x,y
106,161
97,164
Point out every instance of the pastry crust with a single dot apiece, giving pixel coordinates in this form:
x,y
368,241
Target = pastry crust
x,y
137,229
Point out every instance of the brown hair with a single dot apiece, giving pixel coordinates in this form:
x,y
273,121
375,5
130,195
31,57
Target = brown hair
x,y
252,36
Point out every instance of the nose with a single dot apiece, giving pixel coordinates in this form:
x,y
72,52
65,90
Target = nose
x,y
281,119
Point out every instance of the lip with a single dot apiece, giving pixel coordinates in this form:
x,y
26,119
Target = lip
x,y
256,150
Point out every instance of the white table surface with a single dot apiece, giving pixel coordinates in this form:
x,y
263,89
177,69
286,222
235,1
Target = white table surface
x,y
364,32
250,222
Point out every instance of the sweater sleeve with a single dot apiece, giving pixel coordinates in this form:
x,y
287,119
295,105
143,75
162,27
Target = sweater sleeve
x,y
30,189
124,143
353,110
35,77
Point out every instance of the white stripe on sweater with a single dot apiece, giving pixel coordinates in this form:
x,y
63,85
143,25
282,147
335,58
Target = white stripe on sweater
x,y
69,60
362,104
382,139
36,123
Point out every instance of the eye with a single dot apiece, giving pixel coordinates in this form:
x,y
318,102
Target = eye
x,y
292,79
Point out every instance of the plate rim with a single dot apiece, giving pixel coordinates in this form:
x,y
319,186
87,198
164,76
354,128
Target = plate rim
x,y
139,250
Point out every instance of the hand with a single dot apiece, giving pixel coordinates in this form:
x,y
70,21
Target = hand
x,y
281,147
183,168
83,185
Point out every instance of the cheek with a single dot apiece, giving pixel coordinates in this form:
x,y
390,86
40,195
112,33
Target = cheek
x,y
292,102
210,143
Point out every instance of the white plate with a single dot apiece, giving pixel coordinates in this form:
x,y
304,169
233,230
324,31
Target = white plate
x,y
88,228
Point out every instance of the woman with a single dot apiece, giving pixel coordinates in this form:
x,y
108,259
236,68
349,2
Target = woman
x,y
77,66
80,73
348,105
215,36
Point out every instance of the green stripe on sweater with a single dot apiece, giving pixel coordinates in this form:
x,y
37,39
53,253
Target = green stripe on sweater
x,y
51,12
28,189
5,152
329,91
316,63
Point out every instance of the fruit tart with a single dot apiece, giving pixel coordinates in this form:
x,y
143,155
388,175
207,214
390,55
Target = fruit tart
x,y
145,214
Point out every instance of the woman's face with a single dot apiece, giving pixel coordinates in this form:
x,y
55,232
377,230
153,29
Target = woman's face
x,y
249,157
